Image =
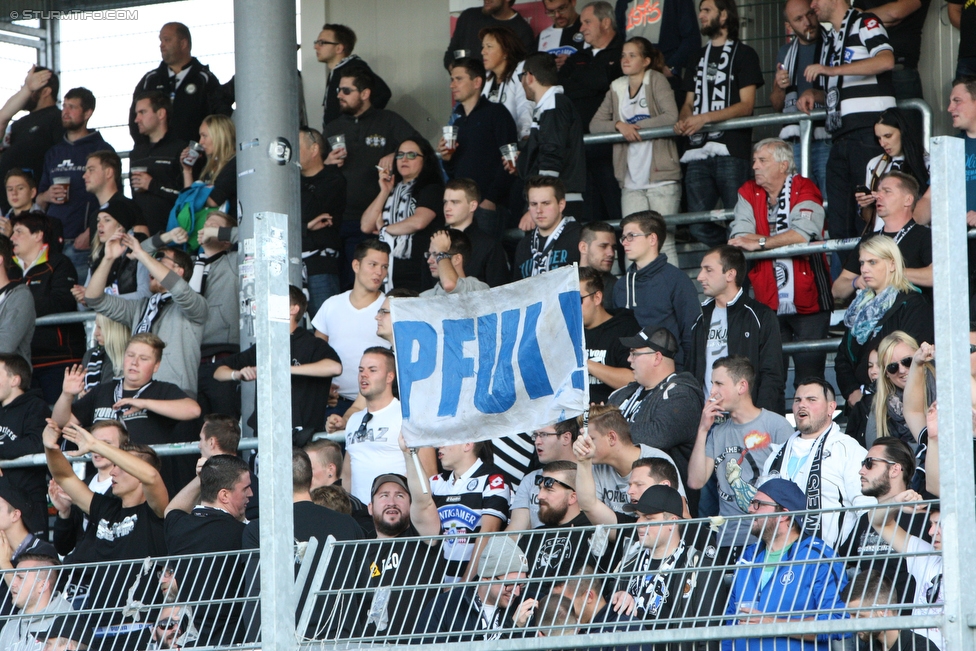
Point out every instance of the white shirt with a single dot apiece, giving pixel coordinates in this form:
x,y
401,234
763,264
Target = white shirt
x,y
511,95
611,488
350,332
929,587
841,483
374,449
717,342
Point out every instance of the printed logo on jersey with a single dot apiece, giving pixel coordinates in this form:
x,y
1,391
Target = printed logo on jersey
x,y
552,552
495,482
871,23
6,433
848,55
375,140
115,530
191,88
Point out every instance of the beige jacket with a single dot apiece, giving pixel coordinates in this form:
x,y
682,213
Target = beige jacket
x,y
663,112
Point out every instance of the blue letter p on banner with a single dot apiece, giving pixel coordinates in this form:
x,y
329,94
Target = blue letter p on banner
x,y
491,363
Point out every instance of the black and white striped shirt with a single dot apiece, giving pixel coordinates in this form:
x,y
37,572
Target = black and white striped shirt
x,y
862,97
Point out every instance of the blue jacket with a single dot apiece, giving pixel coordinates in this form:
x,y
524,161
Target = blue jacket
x,y
68,158
196,197
801,587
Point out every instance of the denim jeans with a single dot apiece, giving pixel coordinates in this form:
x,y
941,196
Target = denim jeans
x,y
321,287
819,152
708,181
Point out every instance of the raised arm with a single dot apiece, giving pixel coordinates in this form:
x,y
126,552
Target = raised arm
x,y
885,521
423,511
73,384
189,495
593,507
36,80
914,394
61,469
700,466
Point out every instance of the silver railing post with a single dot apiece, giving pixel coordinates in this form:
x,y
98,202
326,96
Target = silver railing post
x,y
951,285
806,141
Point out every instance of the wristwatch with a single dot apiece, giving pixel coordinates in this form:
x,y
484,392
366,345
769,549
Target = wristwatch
x,y
762,243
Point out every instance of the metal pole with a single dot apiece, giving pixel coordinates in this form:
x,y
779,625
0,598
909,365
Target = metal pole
x,y
951,284
268,193
806,137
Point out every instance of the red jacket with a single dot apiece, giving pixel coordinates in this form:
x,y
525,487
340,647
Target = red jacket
x,y
811,281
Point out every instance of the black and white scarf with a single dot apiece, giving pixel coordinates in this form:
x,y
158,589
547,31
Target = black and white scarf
x,y
540,249
117,395
718,95
651,592
783,267
153,307
811,524
201,269
835,57
93,370
399,206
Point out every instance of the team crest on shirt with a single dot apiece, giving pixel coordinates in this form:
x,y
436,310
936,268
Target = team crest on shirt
x,y
191,88
578,37
848,55
787,578
375,140
473,484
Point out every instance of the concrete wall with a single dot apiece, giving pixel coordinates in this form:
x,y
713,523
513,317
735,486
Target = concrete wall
x,y
403,41
937,67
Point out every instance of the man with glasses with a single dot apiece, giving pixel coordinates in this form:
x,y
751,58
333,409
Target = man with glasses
x,y
562,38
552,443
823,462
334,48
449,249
775,582
371,136
885,473
660,294
602,331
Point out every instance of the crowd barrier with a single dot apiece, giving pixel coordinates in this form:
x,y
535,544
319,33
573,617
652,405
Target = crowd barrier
x,y
355,594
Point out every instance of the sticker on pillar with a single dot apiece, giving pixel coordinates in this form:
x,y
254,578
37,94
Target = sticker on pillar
x,y
279,308
279,151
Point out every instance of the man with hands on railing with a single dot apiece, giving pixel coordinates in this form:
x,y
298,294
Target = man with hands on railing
x,y
175,313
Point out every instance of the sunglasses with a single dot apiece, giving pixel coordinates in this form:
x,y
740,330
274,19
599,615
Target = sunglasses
x,y
409,155
345,90
167,624
892,368
550,482
868,462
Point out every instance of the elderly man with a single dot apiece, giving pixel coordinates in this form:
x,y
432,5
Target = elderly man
x,y
796,588
777,209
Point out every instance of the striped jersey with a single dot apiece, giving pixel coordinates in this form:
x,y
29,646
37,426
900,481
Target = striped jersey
x,y
862,97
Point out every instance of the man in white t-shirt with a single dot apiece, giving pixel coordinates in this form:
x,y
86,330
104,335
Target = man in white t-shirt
x,y
348,320
372,435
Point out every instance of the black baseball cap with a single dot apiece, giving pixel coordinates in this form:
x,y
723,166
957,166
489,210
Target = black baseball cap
x,y
17,499
388,477
659,340
658,499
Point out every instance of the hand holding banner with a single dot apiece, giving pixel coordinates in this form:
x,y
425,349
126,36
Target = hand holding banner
x,y
491,363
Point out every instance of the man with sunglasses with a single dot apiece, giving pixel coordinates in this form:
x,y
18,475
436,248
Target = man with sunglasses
x,y
769,587
823,462
449,250
602,331
885,473
552,443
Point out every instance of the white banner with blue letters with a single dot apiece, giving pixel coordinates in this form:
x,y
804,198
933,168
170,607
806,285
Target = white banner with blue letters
x,y
491,363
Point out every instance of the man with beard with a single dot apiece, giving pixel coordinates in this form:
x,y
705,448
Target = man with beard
x,y
822,461
789,83
31,136
372,135
156,187
552,443
400,569
555,554
885,473
598,244
493,13
720,86
775,579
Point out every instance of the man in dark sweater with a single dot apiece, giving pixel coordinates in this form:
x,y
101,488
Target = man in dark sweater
x,y
482,128
334,48
554,241
586,78
32,135
207,516
606,356
488,261
194,90
372,136
155,172
494,13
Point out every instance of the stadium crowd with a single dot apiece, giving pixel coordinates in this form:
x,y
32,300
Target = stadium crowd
x,y
688,414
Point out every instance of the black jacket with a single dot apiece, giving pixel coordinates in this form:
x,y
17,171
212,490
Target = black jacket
x,y
21,425
555,146
50,283
379,96
369,137
480,136
324,192
163,162
586,77
753,331
564,251
911,313
198,96
473,20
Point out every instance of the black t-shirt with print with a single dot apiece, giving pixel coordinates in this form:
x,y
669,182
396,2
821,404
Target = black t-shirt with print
x,y
745,71
144,426
603,346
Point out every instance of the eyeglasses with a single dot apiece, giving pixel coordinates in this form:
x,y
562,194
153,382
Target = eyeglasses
x,y
633,354
893,367
321,42
167,623
345,90
541,435
549,482
868,462
522,74
758,504
630,237
409,155
165,573
561,10
582,296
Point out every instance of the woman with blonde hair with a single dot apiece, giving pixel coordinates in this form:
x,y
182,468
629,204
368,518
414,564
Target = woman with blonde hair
x,y
648,172
887,303
103,361
887,417
218,178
